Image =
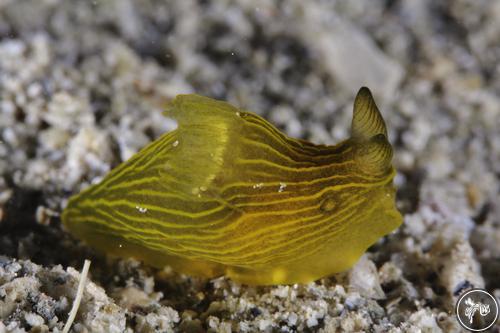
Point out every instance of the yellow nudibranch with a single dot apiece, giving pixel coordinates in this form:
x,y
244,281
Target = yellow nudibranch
x,y
227,193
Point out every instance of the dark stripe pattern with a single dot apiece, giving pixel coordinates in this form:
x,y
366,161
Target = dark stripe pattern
x,y
228,193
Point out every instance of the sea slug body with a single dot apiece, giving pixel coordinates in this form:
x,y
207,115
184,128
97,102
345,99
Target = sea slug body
x,y
227,193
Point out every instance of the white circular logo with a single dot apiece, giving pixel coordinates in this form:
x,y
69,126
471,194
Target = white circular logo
x,y
477,310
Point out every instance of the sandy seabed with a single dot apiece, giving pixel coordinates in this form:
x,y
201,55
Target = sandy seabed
x,y
81,89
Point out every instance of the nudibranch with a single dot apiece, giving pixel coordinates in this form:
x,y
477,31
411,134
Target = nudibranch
x,y
226,193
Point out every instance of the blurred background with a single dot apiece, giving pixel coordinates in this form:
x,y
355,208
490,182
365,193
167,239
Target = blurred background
x,y
82,84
